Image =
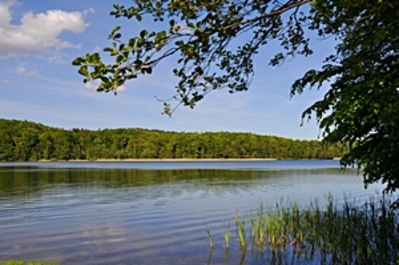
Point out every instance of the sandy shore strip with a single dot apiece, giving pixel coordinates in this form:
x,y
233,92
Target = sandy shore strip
x,y
165,160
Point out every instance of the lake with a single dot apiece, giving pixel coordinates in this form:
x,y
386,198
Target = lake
x,y
151,212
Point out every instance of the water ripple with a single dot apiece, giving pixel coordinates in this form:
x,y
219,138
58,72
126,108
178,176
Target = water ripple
x,y
120,216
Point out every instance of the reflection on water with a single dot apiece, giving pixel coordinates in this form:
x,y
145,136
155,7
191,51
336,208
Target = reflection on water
x,y
77,214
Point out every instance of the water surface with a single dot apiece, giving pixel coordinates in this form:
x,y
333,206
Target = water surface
x,y
149,212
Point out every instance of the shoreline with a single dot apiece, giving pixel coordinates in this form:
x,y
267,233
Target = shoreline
x,y
174,160
159,160
164,160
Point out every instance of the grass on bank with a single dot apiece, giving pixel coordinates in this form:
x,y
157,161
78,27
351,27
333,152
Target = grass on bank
x,y
346,233
19,262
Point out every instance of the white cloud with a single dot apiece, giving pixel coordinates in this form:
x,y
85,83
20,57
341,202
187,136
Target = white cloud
x,y
56,59
91,85
94,84
22,70
121,89
37,32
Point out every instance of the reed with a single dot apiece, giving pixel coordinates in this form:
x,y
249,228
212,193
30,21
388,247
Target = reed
x,y
226,237
257,227
226,234
344,233
211,244
241,234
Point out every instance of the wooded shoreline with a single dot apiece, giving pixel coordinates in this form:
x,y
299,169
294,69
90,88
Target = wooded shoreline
x,y
29,141
164,160
177,160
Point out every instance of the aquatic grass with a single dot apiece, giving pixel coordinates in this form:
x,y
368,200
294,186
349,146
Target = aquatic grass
x,y
226,237
226,234
273,227
211,242
334,233
241,234
257,226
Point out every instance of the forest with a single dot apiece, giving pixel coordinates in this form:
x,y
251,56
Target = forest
x,y
30,141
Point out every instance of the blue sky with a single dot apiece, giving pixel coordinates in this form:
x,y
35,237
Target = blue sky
x,y
39,39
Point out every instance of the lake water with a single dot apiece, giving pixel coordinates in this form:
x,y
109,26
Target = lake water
x,y
151,212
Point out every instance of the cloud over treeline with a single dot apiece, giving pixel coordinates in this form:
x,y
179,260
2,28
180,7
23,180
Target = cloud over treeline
x,y
36,33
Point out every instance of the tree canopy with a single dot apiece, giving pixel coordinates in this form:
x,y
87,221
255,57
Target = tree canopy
x,y
361,105
28,141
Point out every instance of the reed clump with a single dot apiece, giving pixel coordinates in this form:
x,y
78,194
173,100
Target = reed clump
x,y
241,231
345,233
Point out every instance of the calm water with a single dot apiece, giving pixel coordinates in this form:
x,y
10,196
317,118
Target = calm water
x,y
150,212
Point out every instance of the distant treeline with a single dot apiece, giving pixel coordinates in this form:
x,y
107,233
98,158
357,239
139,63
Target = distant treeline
x,y
29,141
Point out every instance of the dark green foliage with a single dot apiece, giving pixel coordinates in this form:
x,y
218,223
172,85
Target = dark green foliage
x,y
215,43
28,141
202,34
362,105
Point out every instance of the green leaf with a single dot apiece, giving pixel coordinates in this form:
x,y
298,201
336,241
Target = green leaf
x,y
143,33
191,25
160,36
83,70
94,58
78,61
104,79
119,59
114,30
132,42
117,36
